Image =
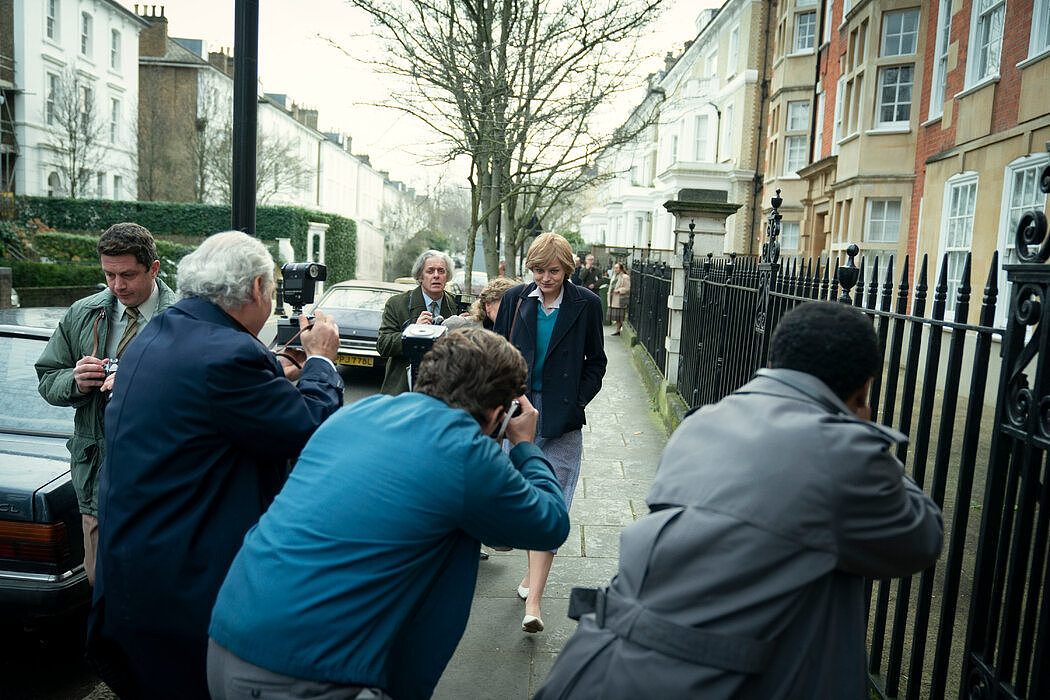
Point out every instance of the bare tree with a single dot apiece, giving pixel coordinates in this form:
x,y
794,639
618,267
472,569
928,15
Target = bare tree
x,y
76,131
279,171
214,116
517,86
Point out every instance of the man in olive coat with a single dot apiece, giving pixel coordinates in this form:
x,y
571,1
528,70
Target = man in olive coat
x,y
423,304
769,508
92,335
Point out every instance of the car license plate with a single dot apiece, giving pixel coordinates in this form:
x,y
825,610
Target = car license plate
x,y
355,360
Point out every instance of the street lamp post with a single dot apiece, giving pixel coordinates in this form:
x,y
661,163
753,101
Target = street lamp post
x,y
245,103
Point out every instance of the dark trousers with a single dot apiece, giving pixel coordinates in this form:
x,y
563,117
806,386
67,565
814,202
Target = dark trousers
x,y
139,664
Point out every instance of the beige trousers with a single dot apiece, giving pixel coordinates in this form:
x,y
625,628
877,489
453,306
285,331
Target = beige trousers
x,y
90,525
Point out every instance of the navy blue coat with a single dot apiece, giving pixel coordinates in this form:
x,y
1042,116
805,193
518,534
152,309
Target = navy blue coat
x,y
198,435
575,363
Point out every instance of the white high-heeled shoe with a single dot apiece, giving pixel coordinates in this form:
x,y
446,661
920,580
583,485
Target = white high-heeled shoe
x,y
523,592
531,624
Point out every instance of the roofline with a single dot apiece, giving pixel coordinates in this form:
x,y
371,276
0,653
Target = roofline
x,y
141,20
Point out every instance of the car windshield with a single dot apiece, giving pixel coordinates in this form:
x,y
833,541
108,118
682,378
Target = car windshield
x,y
21,407
355,298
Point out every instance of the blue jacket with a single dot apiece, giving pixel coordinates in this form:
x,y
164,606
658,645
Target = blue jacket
x,y
575,364
363,569
199,435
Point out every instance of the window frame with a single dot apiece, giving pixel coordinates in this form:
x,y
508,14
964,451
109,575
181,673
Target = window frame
x,y
1037,45
700,140
52,20
939,79
1005,244
116,52
733,52
791,167
51,96
880,123
87,30
805,117
962,180
728,152
973,56
115,108
886,18
797,238
869,220
796,48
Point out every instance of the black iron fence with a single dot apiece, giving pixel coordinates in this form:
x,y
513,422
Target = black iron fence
x,y
647,306
925,639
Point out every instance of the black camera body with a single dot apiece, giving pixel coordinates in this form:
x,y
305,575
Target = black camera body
x,y
299,289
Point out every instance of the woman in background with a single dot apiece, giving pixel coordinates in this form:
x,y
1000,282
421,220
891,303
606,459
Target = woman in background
x,y
619,288
557,326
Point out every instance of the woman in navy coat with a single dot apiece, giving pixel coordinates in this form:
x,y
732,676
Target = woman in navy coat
x,y
557,326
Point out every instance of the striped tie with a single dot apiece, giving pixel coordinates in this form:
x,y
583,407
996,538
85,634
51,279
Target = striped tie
x,y
434,308
130,330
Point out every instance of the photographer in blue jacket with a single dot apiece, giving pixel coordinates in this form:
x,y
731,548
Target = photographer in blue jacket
x,y
357,582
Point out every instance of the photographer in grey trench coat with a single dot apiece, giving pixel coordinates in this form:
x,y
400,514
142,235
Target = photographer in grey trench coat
x,y
746,580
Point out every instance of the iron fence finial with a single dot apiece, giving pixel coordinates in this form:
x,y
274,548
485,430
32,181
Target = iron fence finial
x,y
848,274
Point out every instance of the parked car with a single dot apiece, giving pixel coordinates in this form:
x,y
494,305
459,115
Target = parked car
x,y
41,542
478,280
357,307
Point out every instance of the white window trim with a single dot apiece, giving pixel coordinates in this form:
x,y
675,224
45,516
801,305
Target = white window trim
x,y
795,48
867,219
790,171
806,119
1040,10
897,124
882,34
836,126
798,240
961,179
971,81
1006,235
944,29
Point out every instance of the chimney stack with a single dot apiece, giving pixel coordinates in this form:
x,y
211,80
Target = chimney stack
x,y
153,40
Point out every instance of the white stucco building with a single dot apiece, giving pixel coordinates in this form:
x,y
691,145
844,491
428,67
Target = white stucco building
x,y
704,136
90,46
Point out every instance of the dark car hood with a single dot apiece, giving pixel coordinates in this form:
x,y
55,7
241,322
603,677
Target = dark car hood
x,y
356,323
30,466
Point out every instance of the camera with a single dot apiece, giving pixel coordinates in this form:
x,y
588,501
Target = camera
x,y
298,289
110,367
416,340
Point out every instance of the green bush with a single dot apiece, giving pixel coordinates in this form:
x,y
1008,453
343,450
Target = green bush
x,y
68,247
37,274
191,219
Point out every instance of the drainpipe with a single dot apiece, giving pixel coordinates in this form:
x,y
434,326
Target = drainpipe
x,y
756,208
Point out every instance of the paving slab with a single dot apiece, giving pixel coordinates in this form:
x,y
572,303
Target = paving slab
x,y
622,440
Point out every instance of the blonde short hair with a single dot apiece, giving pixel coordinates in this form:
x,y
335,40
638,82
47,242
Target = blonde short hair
x,y
492,293
549,248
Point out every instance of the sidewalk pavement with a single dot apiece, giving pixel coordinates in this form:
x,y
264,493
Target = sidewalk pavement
x,y
622,443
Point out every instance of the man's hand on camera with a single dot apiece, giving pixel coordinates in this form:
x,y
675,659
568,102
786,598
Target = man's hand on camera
x,y
107,384
89,373
522,428
288,359
426,318
322,339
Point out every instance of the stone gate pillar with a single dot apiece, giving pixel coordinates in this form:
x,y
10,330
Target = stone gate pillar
x,y
699,228
316,231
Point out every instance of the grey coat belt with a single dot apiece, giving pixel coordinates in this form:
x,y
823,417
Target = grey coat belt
x,y
629,620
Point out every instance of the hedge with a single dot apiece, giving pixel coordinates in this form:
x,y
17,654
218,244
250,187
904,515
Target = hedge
x,y
37,274
186,218
84,249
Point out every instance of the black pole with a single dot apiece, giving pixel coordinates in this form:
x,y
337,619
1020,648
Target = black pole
x,y
245,102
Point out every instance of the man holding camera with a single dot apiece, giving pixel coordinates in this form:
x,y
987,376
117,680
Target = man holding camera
x,y
358,580
768,510
200,432
427,303
77,368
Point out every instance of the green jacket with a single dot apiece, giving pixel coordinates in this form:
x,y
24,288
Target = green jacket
x,y
400,311
83,330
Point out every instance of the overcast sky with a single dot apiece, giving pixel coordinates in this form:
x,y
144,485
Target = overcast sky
x,y
295,60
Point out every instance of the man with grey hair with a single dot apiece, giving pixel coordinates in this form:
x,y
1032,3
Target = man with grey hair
x,y
199,435
424,304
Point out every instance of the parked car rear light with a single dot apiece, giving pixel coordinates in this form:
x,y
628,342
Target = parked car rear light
x,y
39,542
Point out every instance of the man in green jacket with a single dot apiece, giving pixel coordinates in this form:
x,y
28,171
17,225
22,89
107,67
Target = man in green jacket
x,y
77,366
423,304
